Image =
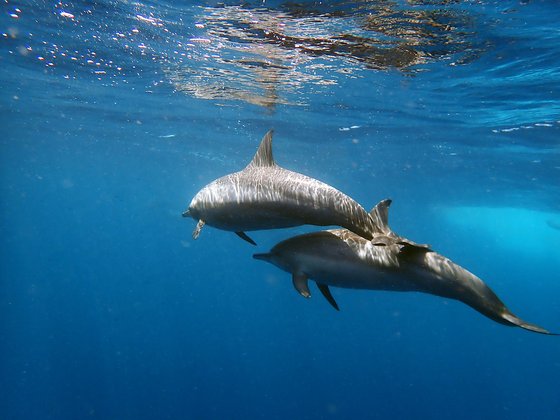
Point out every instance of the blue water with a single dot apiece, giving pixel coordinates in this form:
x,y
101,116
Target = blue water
x,y
115,113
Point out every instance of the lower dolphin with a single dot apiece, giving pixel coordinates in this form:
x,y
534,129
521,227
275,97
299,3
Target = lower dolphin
x,y
341,258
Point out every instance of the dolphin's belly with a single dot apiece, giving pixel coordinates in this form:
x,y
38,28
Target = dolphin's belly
x,y
356,275
252,216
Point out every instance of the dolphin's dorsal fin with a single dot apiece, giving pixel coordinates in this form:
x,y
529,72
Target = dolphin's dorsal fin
x,y
380,214
263,157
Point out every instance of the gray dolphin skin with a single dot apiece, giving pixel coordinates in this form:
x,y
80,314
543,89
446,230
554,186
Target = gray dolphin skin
x,y
266,196
341,258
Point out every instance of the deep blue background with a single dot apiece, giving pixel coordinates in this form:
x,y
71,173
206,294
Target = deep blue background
x,y
108,308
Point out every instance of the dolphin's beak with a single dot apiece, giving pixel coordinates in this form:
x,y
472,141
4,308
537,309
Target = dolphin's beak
x,y
264,257
186,213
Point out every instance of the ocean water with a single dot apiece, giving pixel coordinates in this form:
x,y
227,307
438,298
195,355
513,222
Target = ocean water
x,y
115,113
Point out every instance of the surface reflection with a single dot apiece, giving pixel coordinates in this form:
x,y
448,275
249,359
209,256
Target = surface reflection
x,y
264,55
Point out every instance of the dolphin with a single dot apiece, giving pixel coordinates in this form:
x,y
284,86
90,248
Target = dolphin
x,y
267,196
341,258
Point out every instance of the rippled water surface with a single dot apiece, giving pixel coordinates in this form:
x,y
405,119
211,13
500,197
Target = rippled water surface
x,y
115,113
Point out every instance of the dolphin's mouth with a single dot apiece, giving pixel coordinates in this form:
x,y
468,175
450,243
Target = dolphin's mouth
x,y
264,257
186,213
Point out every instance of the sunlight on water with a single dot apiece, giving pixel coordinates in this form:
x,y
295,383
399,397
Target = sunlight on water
x,y
271,54
251,53
257,55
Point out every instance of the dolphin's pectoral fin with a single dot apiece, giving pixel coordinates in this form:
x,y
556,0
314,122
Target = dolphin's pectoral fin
x,y
244,236
198,228
300,283
327,294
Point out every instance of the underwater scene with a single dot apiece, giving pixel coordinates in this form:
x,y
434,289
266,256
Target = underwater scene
x,y
272,209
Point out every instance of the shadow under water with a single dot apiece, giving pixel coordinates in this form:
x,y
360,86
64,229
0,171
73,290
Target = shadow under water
x,y
261,55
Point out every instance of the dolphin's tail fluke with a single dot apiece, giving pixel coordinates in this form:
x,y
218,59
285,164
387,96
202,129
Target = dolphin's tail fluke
x,y
513,320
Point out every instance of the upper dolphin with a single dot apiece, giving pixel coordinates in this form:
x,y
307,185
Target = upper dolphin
x,y
267,196
342,259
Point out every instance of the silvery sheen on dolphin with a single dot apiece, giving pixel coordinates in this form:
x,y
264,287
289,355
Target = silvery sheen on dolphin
x,y
267,196
342,259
